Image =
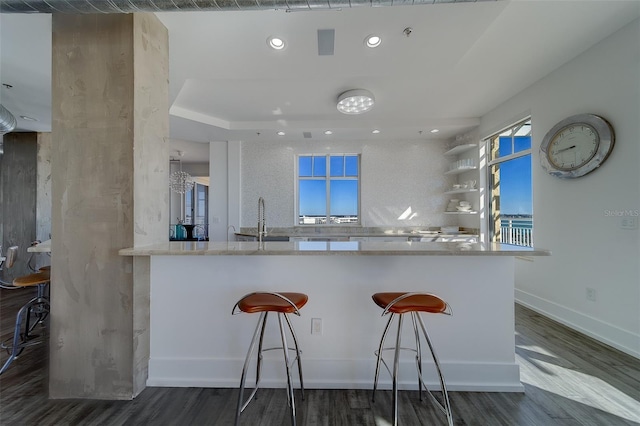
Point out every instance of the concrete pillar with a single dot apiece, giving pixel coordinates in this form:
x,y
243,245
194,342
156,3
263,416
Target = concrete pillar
x,y
18,197
43,195
110,191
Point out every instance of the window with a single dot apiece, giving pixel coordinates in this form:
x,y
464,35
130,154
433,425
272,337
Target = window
x,y
328,189
196,207
511,212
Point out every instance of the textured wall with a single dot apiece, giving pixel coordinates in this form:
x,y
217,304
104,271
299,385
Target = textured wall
x,y
395,176
579,220
151,169
109,112
18,197
43,193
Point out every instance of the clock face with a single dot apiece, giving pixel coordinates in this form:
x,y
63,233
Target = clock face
x,y
573,146
576,146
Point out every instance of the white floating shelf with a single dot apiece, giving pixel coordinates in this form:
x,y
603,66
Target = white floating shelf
x,y
461,191
460,149
460,170
469,212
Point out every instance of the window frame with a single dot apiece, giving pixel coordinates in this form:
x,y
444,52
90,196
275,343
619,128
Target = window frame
x,y
327,179
491,222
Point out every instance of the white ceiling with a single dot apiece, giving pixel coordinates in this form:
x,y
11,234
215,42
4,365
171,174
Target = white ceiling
x,y
461,61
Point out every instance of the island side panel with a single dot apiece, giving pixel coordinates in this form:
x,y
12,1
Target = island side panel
x,y
195,341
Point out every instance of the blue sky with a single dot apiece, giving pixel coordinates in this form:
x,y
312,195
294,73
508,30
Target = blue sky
x,y
515,178
344,192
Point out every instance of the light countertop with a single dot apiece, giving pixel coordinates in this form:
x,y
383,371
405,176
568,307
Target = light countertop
x,y
240,248
353,231
43,247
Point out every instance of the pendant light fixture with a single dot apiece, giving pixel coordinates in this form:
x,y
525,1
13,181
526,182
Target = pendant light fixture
x,y
180,181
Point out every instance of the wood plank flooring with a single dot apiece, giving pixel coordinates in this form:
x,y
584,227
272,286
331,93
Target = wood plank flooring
x,y
569,380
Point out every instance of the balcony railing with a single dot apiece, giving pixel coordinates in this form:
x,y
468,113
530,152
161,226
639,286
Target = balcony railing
x,y
516,231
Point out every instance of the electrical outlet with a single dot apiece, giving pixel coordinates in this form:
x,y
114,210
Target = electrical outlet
x,y
591,294
316,326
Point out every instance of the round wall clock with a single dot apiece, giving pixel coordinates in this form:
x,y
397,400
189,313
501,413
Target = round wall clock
x,y
576,146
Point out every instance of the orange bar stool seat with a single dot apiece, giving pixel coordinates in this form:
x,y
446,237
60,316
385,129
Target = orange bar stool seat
x,y
34,312
282,304
397,304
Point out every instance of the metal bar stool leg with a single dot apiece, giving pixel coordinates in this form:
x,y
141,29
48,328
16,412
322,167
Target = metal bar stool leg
x,y
241,404
19,339
260,342
446,406
396,362
285,349
379,356
295,342
418,353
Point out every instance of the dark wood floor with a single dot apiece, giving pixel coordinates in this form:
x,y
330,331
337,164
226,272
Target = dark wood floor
x,y
569,379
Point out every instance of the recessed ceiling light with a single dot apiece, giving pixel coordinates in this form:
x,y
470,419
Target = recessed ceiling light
x,y
275,43
27,118
281,133
328,132
435,130
375,132
372,41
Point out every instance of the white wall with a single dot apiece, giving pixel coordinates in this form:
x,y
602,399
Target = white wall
x,y
395,176
224,190
572,217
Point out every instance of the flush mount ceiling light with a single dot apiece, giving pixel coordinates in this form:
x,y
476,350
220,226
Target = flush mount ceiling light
x,y
281,133
355,101
434,130
375,131
275,43
372,41
328,132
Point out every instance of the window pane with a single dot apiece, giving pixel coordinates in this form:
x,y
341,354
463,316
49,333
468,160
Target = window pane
x,y
505,146
188,206
351,165
304,166
319,166
522,143
313,195
515,187
344,200
337,165
202,204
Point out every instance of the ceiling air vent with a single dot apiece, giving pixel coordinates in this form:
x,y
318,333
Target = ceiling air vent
x,y
326,40
307,135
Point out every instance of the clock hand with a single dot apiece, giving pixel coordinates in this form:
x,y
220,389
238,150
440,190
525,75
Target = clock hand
x,y
565,149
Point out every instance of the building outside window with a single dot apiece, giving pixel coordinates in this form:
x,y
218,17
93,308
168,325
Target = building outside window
x,y
328,189
510,188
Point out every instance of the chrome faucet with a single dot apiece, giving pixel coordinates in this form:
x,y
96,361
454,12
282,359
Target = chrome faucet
x,y
262,226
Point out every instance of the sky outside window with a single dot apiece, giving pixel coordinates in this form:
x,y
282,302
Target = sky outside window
x,y
515,177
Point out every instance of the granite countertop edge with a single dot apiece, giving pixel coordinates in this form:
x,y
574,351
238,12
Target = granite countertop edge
x,y
281,248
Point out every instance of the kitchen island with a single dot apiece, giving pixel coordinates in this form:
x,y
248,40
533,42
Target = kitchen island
x,y
196,342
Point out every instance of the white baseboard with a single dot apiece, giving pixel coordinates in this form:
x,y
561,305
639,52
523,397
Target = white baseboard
x,y
608,334
333,374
